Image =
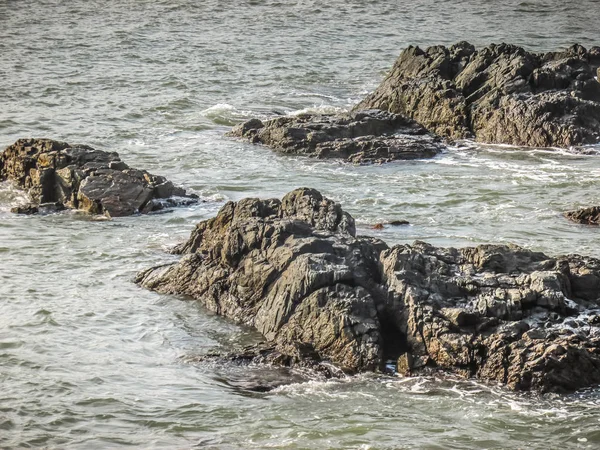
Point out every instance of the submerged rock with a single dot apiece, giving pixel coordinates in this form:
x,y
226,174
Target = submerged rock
x,y
359,137
57,175
320,295
393,223
499,94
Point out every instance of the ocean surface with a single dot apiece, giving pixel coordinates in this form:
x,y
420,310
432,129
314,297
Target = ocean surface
x,y
90,361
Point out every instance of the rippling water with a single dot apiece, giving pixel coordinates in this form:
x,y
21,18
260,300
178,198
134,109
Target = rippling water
x,y
89,360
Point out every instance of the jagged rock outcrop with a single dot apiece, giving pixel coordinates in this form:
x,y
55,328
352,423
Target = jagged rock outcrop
x,y
359,137
292,268
57,175
296,271
499,94
499,313
585,216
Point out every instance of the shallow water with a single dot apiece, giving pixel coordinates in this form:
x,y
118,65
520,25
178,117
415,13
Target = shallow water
x,y
89,360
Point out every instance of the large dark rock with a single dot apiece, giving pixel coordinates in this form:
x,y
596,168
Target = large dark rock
x,y
79,177
499,94
290,268
359,137
295,270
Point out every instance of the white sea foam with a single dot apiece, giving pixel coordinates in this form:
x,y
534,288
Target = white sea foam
x,y
227,114
11,196
318,109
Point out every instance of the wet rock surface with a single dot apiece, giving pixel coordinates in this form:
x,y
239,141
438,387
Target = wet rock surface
x,y
57,175
359,137
498,313
326,299
498,94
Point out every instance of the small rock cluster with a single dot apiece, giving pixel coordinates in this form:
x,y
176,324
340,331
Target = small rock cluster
x,y
499,94
585,216
59,176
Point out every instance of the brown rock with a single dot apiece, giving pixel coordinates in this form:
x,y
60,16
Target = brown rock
x,y
292,268
585,216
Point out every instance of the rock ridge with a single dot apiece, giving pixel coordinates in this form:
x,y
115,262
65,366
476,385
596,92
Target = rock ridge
x,y
360,137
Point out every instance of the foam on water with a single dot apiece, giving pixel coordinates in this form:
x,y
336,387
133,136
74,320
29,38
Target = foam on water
x,y
226,114
318,109
10,196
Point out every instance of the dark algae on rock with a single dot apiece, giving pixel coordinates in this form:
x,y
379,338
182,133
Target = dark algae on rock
x,y
296,271
499,94
361,137
57,175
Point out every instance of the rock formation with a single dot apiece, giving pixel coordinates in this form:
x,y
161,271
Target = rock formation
x,y
586,216
499,94
359,137
57,176
296,271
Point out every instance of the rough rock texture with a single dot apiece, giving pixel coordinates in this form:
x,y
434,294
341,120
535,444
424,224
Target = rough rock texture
x,y
58,175
360,137
295,270
499,94
290,268
587,216
500,313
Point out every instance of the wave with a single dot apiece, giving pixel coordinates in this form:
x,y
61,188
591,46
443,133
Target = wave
x,y
226,114
318,109
229,115
11,196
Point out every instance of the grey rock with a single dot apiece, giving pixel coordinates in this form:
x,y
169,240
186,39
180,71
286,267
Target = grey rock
x,y
499,94
80,177
443,309
359,137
